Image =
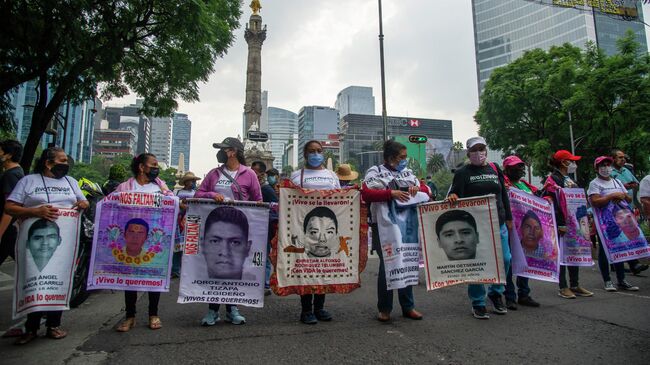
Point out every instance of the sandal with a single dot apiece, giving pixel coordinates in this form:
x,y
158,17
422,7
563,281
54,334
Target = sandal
x,y
155,323
126,325
25,338
56,333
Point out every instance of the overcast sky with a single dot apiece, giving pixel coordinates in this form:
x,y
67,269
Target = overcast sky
x,y
314,49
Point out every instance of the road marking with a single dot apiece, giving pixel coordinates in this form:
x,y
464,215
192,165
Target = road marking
x,y
628,294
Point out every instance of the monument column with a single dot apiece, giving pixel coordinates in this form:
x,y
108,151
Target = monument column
x,y
255,35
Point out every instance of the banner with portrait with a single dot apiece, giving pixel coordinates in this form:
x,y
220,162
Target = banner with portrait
x,y
45,262
575,244
461,243
533,238
321,245
224,258
133,242
620,233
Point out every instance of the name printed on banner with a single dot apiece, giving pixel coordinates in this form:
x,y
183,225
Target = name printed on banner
x,y
215,291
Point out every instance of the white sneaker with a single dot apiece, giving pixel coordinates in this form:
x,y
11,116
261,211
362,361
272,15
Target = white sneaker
x,y
627,286
234,317
211,318
609,286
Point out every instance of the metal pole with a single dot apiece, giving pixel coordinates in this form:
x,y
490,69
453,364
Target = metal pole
x,y
383,78
65,127
573,147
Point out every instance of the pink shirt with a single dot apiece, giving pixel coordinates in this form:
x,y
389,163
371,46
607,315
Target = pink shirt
x,y
245,177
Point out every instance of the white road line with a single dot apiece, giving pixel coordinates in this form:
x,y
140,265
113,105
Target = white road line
x,y
628,294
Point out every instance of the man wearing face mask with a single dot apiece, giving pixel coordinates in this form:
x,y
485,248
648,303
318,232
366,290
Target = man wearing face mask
x,y
481,177
564,163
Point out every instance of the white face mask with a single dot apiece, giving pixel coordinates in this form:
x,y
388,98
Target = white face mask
x,y
605,171
571,169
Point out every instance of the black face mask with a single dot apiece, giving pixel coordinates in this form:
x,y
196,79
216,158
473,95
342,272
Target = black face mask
x,y
60,170
222,156
153,174
516,174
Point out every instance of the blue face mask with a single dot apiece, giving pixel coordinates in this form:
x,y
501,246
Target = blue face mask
x,y
271,180
315,159
402,165
193,186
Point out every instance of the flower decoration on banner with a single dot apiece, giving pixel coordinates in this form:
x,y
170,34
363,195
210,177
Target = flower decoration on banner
x,y
156,237
114,233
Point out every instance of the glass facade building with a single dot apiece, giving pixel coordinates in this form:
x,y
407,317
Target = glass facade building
x,y
505,29
161,139
355,100
181,137
315,122
282,125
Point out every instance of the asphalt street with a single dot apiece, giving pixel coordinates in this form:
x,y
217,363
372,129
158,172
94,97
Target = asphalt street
x,y
609,328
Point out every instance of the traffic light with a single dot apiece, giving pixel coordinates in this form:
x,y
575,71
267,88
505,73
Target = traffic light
x,y
417,138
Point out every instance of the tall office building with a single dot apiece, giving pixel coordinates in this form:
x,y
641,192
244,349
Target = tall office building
x,y
181,135
355,100
161,139
115,116
504,29
315,122
283,124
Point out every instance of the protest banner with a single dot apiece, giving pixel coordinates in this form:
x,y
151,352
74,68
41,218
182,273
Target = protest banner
x,y
321,245
45,261
575,244
461,243
224,258
619,232
533,238
133,241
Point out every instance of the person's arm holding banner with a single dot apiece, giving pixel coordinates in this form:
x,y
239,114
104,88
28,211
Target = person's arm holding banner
x,y
206,188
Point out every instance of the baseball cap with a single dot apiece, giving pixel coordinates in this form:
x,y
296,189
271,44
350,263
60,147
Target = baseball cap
x,y
565,155
601,159
230,142
474,141
512,161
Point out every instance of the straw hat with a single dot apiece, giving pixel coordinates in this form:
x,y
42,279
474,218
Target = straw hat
x,y
344,172
188,176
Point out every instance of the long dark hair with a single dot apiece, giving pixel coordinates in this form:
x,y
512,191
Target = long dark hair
x,y
392,149
48,154
139,159
240,157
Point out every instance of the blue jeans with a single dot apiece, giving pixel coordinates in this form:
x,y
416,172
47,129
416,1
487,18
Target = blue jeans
x,y
385,296
476,292
522,286
177,258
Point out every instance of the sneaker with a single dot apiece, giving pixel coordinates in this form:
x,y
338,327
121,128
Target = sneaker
x,y
528,302
267,292
211,318
566,293
497,302
609,286
234,317
511,304
480,312
627,286
323,315
581,292
308,318
639,268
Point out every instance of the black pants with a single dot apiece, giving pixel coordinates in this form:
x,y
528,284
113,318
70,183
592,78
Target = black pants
x,y
8,244
306,301
131,297
215,307
573,276
33,323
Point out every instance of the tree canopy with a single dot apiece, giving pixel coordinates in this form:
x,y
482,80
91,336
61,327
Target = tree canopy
x,y
158,49
526,105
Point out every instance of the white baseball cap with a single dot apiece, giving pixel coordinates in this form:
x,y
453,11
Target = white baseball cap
x,y
474,141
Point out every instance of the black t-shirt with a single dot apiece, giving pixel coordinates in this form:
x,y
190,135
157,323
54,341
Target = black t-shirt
x,y
8,181
472,180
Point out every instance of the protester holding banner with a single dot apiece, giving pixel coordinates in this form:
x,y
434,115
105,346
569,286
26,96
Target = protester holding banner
x,y
606,191
268,180
40,195
385,185
314,176
145,170
233,180
514,171
564,163
478,178
188,183
10,153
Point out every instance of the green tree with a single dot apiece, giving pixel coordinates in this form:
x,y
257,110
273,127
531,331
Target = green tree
x,y
457,146
442,179
287,170
330,154
415,166
168,175
435,163
159,50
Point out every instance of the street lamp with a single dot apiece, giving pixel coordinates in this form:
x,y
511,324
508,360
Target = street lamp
x,y
383,78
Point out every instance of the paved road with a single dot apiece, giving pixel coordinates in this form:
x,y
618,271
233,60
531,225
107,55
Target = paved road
x,y
609,328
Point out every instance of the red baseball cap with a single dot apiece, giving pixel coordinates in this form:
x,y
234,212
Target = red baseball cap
x,y
512,161
601,159
565,155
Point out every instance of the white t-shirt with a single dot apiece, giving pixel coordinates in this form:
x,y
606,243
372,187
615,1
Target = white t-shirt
x,y
147,188
185,194
36,189
223,185
644,188
322,179
602,187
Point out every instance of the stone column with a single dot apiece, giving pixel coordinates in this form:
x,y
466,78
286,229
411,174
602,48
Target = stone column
x,y
255,35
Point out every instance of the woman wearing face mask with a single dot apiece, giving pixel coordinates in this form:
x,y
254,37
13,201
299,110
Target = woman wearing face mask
x,y
188,182
392,181
145,170
481,177
603,190
564,163
233,180
32,197
314,176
